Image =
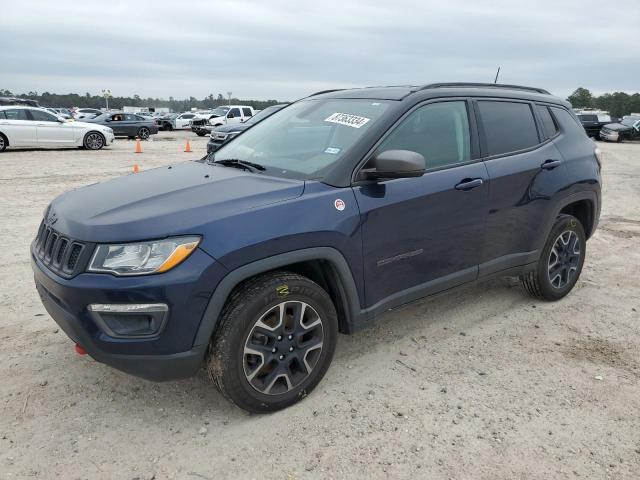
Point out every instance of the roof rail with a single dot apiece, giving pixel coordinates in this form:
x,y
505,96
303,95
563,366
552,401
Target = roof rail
x,y
483,85
326,91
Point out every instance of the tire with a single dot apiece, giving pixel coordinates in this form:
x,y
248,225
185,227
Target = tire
x,y
560,263
200,134
4,143
168,127
143,133
255,344
94,141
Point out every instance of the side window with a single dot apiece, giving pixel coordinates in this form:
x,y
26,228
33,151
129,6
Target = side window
x,y
2,114
17,114
235,112
188,115
132,118
508,126
549,127
118,117
567,122
41,116
246,112
438,131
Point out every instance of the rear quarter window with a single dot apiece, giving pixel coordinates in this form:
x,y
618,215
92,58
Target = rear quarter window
x,y
549,127
567,121
508,126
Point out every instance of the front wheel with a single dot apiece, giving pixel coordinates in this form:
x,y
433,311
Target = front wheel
x,y
93,141
275,342
143,133
3,143
201,134
561,261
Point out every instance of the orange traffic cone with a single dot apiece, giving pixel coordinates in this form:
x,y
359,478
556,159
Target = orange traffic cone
x,y
138,146
187,147
136,168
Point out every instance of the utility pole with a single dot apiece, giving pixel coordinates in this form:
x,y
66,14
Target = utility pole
x,y
497,73
106,94
229,95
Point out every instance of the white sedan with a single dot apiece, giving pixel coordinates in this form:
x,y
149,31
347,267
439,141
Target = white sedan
x,y
36,127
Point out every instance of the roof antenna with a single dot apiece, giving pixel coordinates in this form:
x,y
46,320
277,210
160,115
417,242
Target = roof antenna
x,y
497,73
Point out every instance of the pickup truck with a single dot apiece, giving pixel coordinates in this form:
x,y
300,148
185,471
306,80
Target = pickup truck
x,y
226,115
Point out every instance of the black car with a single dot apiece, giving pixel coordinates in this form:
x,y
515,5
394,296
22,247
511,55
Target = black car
x,y
126,124
592,122
165,122
221,135
627,129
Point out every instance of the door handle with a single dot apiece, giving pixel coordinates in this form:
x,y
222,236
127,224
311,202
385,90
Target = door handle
x,y
550,164
469,183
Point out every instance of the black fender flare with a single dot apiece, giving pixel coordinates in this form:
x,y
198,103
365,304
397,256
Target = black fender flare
x,y
233,278
589,195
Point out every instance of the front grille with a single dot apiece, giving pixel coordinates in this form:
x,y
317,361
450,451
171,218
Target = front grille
x,y
199,123
59,253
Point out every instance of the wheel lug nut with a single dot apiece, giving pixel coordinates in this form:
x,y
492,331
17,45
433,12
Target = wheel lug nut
x,y
281,357
279,337
274,350
291,349
290,337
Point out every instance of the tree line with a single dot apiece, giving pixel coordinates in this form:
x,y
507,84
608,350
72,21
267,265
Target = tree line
x,y
88,100
617,104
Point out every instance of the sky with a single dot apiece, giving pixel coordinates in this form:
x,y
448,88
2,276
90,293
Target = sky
x,y
287,49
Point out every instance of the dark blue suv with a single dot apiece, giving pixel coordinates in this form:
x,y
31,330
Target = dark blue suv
x,y
315,221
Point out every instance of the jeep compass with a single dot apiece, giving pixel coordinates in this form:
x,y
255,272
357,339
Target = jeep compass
x,y
315,221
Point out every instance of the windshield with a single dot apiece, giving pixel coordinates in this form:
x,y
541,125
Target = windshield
x,y
262,114
630,121
306,139
220,111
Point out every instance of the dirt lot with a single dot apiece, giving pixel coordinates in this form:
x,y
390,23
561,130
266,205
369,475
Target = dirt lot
x,y
479,384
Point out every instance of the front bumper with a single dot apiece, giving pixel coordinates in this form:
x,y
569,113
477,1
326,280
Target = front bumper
x,y
110,137
169,355
609,136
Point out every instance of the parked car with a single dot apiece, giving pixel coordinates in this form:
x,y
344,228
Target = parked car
x,y
61,112
627,129
18,101
167,121
127,124
37,127
316,221
183,120
86,113
221,135
593,120
203,124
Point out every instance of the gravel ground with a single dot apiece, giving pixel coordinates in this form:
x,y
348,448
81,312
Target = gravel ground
x,y
483,383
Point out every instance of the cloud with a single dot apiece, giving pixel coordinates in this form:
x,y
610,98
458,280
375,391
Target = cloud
x,y
286,49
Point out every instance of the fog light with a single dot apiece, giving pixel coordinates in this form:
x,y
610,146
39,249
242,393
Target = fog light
x,y
135,320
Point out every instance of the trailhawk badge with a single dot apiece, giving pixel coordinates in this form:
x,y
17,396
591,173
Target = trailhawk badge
x,y
339,204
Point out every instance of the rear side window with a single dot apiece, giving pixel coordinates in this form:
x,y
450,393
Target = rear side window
x,y
438,131
246,112
549,128
567,121
588,118
2,115
508,126
17,114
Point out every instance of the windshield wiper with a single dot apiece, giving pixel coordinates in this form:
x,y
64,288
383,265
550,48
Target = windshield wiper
x,y
234,162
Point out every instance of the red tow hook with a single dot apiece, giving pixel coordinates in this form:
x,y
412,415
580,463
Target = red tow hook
x,y
80,350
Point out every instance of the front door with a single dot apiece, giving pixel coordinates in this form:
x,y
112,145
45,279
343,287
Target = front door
x,y
422,235
52,132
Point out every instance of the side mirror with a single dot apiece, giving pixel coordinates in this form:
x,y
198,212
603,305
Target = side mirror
x,y
394,164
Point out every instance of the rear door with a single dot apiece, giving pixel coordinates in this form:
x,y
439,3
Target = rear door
x,y
50,131
19,127
525,170
422,235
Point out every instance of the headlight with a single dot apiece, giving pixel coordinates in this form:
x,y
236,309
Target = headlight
x,y
144,257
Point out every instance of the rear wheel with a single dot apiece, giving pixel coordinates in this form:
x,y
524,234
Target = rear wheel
x,y
275,342
144,133
4,143
93,141
561,261
201,134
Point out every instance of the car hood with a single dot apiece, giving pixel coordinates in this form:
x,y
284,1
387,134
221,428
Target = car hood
x,y
180,199
617,127
234,127
84,123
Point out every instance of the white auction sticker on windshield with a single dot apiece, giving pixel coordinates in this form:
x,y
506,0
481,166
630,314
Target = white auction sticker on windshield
x,y
354,121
